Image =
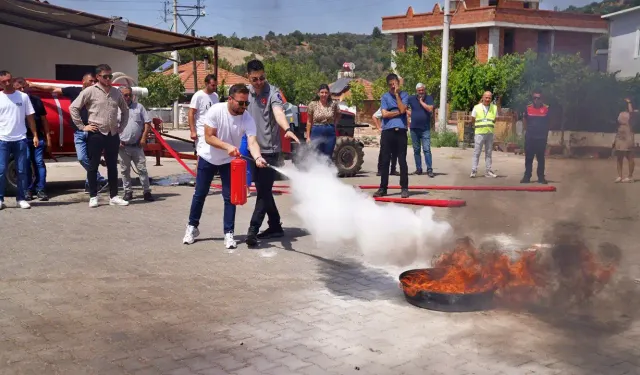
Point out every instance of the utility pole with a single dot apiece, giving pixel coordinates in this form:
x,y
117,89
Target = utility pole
x,y
176,110
444,77
198,12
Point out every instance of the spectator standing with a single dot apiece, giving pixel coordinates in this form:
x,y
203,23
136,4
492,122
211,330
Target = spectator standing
x,y
102,101
536,125
225,125
79,136
36,165
484,116
200,103
323,115
132,142
421,107
15,112
393,140
625,140
377,122
266,107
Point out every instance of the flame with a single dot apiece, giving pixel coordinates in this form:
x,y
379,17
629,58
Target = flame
x,y
527,276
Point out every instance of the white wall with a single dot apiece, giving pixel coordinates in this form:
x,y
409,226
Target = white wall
x,y
623,44
35,55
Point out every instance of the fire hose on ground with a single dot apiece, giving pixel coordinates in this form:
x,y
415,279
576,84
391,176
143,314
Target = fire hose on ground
x,y
411,201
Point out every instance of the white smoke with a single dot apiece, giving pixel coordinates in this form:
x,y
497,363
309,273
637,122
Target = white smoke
x,y
334,212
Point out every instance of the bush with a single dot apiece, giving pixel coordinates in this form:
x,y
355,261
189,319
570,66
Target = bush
x,y
444,139
439,139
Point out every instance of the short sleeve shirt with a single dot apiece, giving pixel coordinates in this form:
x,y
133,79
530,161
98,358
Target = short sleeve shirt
x,y
389,103
323,114
138,117
261,110
537,122
230,129
72,92
201,102
14,108
420,117
39,113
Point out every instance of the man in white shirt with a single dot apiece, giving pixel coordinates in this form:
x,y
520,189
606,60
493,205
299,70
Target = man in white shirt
x,y
200,104
15,108
224,126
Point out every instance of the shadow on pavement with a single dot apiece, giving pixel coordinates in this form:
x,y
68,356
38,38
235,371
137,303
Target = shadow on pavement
x,y
349,278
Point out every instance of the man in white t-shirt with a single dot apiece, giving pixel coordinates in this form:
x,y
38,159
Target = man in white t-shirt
x,y
225,124
16,111
200,103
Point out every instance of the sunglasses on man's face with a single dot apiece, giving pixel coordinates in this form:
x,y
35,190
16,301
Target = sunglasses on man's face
x,y
106,76
244,103
126,95
536,98
256,79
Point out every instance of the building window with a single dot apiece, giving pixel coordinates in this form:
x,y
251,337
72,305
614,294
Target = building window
x,y
73,72
493,3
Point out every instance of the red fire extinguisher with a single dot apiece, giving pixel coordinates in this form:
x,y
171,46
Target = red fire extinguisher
x,y
238,181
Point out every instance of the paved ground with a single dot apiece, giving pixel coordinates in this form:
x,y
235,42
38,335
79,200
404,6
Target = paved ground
x,y
113,291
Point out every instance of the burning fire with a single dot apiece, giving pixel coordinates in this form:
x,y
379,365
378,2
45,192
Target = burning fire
x,y
528,276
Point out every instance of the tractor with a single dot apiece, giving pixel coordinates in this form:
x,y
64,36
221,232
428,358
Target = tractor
x,y
348,155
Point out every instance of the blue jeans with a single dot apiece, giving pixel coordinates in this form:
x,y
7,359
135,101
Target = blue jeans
x,y
80,140
206,171
422,138
324,137
19,150
244,150
36,166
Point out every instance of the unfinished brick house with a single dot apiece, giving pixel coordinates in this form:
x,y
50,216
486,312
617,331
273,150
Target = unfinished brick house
x,y
498,27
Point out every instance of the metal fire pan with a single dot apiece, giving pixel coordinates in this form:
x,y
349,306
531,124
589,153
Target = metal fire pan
x,y
446,302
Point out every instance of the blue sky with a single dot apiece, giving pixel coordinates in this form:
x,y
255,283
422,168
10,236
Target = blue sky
x,y
257,17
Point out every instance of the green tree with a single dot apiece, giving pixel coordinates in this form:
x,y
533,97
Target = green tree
x,y
148,63
298,81
357,95
225,64
163,89
379,87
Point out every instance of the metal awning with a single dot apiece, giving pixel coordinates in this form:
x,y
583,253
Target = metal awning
x,y
93,29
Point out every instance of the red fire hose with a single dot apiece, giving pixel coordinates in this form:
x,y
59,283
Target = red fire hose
x,y
477,188
413,201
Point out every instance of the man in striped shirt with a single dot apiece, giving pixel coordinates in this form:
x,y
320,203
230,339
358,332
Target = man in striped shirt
x,y
102,102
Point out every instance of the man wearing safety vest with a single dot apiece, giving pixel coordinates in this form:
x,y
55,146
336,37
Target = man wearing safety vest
x,y
484,116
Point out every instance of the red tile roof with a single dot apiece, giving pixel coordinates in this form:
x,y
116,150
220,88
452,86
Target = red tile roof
x,y
186,76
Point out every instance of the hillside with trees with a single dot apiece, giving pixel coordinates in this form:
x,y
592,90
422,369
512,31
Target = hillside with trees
x,y
604,7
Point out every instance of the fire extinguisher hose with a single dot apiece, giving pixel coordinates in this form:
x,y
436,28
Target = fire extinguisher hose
x,y
176,156
545,188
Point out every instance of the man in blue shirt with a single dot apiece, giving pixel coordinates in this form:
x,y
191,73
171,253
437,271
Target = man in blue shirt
x,y
393,139
420,107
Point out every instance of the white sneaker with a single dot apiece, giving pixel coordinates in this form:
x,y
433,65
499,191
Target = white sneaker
x,y
24,205
229,242
190,235
2,205
93,202
473,174
117,201
490,174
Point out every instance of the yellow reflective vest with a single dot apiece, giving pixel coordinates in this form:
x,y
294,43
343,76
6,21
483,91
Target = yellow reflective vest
x,y
485,122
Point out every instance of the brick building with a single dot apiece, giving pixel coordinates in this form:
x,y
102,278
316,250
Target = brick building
x,y
498,27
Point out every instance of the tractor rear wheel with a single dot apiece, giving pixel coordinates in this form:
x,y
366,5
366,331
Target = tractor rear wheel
x,y
348,156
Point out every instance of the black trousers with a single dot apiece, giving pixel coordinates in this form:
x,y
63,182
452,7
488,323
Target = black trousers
x,y
265,204
393,145
96,144
534,148
394,161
